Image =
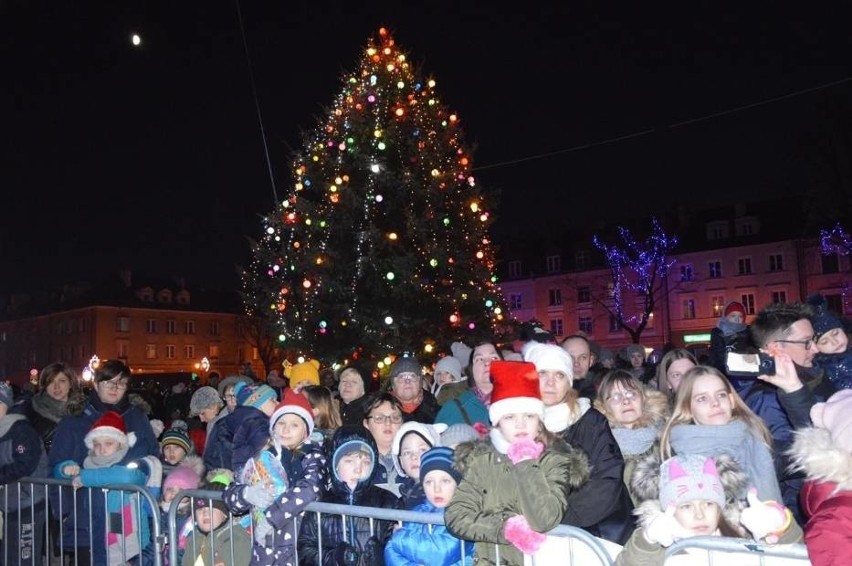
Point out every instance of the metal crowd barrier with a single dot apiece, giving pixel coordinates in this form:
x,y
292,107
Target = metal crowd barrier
x,y
742,552
34,535
574,545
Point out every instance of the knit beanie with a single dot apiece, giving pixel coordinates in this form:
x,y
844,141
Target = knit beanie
x,y
404,364
6,395
835,415
254,395
177,437
202,503
550,357
306,371
689,477
628,351
183,477
359,371
203,398
110,425
232,380
348,447
823,319
516,390
439,458
293,403
430,433
458,433
733,307
450,365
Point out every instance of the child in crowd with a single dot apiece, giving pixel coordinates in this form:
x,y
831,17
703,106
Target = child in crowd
x,y
692,501
108,442
709,418
824,453
326,414
410,442
305,463
516,482
250,421
303,374
176,448
347,539
215,541
181,477
832,344
447,370
418,543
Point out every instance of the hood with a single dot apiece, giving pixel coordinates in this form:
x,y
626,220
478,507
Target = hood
x,y
346,437
814,453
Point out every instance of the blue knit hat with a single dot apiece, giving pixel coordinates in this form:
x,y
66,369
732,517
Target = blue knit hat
x,y
438,458
254,395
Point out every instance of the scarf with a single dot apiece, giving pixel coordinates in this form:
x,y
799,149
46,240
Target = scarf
x,y
48,407
484,398
411,406
735,439
560,416
101,407
634,441
93,461
729,328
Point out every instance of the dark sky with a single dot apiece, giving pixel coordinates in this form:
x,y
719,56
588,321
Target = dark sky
x,y
152,156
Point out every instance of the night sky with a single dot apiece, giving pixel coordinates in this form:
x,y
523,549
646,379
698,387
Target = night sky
x,y
151,157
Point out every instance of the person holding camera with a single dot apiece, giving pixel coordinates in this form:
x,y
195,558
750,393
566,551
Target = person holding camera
x,y
730,334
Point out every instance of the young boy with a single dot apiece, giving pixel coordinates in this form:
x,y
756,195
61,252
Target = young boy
x,y
108,442
418,543
215,537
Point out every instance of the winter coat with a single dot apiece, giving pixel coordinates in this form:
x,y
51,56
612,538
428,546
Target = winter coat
x,y
425,411
826,496
837,368
352,413
602,506
493,489
474,411
44,413
356,531
68,445
21,455
221,540
307,470
251,432
419,543
723,342
219,448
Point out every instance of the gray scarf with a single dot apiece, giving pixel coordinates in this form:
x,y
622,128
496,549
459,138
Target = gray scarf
x,y
48,407
633,441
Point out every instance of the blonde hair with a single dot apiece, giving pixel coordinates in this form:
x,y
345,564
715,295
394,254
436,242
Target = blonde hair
x,y
682,411
328,414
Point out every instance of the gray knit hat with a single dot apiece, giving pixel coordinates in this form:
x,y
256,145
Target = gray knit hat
x,y
458,433
203,398
404,364
689,477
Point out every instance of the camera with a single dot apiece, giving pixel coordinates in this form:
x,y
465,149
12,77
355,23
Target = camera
x,y
749,364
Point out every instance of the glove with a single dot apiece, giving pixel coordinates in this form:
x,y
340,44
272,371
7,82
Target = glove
x,y
262,529
259,496
765,519
524,449
664,529
518,532
345,554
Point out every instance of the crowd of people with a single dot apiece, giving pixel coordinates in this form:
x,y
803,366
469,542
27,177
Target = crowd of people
x,y
505,441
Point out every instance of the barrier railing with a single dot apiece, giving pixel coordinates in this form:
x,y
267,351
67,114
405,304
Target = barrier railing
x,y
742,552
36,534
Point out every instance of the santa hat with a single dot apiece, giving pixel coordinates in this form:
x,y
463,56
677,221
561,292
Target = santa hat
x,y
733,307
550,357
293,403
516,390
306,371
689,477
835,415
110,425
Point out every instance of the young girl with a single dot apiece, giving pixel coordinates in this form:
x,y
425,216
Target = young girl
x,y
710,418
419,543
305,463
517,481
215,541
352,483
692,500
180,478
832,344
326,414
411,441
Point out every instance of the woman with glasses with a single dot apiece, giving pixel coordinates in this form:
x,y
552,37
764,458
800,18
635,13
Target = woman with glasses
x,y
383,417
111,382
636,415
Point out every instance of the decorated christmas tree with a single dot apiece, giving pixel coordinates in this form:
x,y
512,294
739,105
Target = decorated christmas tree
x,y
382,245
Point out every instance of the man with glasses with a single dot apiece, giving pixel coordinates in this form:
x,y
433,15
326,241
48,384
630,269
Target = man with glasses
x,y
405,382
784,400
111,382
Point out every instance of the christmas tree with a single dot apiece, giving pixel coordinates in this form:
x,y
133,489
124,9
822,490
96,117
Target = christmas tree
x,y
382,246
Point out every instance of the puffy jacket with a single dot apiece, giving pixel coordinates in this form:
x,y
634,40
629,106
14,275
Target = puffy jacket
x,y
21,455
418,543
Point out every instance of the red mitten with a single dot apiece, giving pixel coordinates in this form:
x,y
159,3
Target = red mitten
x,y
524,449
518,532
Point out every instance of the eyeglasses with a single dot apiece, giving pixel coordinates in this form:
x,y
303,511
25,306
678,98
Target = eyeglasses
x,y
806,343
114,385
617,398
411,454
406,377
384,419
229,397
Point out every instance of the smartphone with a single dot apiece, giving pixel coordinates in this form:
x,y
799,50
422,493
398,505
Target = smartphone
x,y
749,364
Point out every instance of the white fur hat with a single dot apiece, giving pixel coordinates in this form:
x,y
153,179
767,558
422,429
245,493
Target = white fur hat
x,y
431,433
550,357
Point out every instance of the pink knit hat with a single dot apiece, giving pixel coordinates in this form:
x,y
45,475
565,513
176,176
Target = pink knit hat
x,y
835,415
183,477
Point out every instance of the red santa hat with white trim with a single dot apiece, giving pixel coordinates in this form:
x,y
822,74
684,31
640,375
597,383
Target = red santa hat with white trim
x,y
516,390
293,403
110,425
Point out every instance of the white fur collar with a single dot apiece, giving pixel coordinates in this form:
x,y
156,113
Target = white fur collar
x,y
813,452
562,415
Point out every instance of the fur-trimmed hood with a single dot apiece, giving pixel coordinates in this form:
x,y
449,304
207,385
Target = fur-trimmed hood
x,y
655,412
580,469
814,453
